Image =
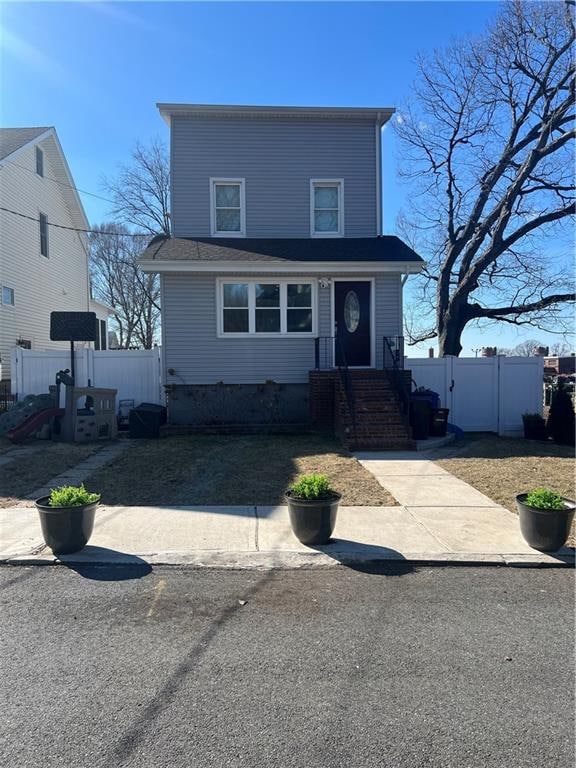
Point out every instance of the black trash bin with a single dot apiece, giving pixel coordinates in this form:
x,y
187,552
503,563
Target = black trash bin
x,y
439,422
420,418
145,421
161,409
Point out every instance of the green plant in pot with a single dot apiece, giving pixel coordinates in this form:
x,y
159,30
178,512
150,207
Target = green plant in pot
x,y
313,506
67,518
545,518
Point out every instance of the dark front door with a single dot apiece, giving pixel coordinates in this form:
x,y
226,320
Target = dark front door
x,y
352,313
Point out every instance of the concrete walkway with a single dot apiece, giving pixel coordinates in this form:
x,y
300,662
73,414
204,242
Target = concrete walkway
x,y
439,519
79,472
253,537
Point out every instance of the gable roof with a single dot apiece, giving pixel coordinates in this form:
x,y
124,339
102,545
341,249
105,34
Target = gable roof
x,y
386,252
15,140
12,139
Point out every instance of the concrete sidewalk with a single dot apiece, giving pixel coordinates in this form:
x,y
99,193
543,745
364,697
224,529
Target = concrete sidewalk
x,y
261,537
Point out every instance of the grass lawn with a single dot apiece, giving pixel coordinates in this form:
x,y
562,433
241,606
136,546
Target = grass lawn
x,y
222,470
501,468
19,478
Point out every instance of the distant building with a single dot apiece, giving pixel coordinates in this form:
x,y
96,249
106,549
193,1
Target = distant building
x,y
557,366
43,248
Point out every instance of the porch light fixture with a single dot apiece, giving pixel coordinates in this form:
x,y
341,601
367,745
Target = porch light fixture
x,y
324,282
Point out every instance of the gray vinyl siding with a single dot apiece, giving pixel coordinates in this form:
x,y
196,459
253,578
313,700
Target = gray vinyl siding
x,y
277,158
192,347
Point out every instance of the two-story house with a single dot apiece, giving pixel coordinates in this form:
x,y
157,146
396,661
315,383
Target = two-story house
x,y
43,256
280,294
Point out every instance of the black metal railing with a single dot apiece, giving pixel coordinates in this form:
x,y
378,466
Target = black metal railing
x,y
329,354
324,350
393,362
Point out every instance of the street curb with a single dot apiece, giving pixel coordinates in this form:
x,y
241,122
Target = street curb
x,y
293,560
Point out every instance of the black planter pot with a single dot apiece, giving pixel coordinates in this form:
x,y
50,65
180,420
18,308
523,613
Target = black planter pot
x,y
313,521
545,529
66,529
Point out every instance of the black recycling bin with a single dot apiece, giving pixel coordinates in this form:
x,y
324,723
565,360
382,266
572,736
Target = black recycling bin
x,y
145,421
428,395
439,422
420,418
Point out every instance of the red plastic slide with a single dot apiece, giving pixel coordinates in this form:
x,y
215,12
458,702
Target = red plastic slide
x,y
33,424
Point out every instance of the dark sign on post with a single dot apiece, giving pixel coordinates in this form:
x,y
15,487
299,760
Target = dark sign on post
x,y
72,326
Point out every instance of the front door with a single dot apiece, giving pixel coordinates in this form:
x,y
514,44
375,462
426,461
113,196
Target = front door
x,y
352,313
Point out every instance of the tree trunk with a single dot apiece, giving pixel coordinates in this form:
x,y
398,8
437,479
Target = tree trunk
x,y
451,324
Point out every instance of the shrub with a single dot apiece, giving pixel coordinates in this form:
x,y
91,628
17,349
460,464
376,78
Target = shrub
x,y
544,498
312,487
560,423
71,496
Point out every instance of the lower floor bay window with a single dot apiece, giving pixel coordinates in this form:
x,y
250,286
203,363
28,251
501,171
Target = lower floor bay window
x,y
274,307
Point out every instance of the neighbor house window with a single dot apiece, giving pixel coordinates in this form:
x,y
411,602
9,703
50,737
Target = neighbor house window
x,y
7,296
39,162
227,209
260,307
326,208
100,339
44,234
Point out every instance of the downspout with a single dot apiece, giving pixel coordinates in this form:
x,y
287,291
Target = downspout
x,y
378,129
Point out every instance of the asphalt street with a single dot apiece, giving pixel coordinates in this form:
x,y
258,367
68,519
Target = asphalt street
x,y
456,666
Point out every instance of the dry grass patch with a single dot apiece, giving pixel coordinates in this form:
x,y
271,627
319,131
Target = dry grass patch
x,y
501,468
231,470
19,478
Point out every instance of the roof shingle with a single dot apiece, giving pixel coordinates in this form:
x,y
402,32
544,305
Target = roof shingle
x,y
386,248
12,139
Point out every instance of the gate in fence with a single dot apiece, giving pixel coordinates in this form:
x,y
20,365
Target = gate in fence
x,y
485,394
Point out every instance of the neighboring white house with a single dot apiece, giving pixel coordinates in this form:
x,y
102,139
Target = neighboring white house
x,y
43,267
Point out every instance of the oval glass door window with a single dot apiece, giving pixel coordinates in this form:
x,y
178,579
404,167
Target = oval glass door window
x,y
351,311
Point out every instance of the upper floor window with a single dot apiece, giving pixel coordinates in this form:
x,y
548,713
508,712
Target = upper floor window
x,y
326,207
227,207
44,234
266,307
39,162
7,296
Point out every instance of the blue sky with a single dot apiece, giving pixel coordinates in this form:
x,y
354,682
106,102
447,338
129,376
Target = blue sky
x,y
96,71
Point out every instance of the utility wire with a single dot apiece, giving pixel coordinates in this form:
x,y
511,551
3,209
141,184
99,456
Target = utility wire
x,y
63,183
76,229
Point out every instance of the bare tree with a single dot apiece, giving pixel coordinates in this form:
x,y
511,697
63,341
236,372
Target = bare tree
x,y
561,349
117,280
141,190
527,348
488,145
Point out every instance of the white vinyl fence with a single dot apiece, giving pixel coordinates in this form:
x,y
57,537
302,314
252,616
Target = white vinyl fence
x,y
484,394
134,373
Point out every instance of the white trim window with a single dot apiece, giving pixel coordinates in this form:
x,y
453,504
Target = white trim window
x,y
266,307
326,207
43,219
7,296
227,208
39,161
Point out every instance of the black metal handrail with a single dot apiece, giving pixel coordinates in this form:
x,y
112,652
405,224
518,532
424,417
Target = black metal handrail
x,y
326,350
393,361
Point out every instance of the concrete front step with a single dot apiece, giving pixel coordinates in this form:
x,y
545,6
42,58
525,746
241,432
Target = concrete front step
x,y
381,444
